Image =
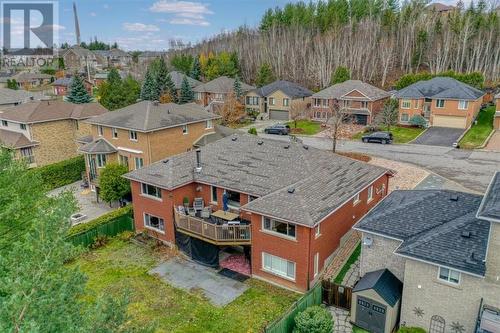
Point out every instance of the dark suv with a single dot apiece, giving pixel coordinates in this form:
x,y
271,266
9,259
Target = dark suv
x,y
278,129
380,137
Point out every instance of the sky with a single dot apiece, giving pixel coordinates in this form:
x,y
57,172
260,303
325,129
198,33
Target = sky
x,y
149,25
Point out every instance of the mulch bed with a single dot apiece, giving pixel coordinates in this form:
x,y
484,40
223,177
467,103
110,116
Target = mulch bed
x,y
356,156
237,263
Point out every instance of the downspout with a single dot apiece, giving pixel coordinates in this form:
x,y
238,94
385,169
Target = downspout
x,y
149,147
308,260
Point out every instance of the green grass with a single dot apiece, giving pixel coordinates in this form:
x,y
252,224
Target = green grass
x,y
307,127
123,266
477,134
400,134
352,259
356,329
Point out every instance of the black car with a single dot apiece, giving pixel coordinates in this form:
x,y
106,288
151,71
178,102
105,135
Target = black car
x,y
278,129
380,137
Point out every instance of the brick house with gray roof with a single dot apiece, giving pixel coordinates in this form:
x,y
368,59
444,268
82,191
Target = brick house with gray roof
x,y
444,246
212,94
287,204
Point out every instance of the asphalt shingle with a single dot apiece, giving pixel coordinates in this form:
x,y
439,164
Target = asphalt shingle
x,y
440,88
178,77
384,283
339,90
490,206
291,89
99,146
221,85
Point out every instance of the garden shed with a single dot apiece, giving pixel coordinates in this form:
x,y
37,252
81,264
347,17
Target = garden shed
x,y
376,299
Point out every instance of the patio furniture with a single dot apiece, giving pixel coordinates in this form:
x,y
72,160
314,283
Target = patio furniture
x,y
233,222
198,204
191,211
227,216
206,212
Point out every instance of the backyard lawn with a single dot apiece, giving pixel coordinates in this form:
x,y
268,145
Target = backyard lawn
x,y
400,134
352,259
478,133
123,266
306,127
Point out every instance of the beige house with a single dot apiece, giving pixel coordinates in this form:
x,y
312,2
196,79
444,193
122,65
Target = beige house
x,y
442,101
141,134
213,93
78,59
45,132
275,100
448,257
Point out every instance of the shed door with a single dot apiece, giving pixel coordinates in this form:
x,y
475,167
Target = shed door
x,y
370,315
278,114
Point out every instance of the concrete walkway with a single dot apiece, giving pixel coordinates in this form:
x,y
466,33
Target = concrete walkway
x,y
494,143
341,320
190,276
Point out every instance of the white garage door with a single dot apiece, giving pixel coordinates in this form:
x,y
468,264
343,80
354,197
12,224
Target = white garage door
x,y
278,114
449,121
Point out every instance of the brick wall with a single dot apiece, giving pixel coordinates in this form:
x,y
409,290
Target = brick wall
x,y
380,255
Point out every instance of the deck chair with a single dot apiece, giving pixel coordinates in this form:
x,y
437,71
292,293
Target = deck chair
x,y
198,204
206,212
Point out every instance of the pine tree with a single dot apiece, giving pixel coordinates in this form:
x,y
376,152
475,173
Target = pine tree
x,y
149,91
114,77
77,92
170,89
340,75
196,70
187,94
264,76
237,87
162,77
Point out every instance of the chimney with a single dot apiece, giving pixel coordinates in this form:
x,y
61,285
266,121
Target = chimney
x,y
198,160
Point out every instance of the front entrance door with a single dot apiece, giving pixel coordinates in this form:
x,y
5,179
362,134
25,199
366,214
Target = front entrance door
x,y
370,315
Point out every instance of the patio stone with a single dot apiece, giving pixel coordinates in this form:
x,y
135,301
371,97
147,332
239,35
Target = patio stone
x,y
352,275
341,320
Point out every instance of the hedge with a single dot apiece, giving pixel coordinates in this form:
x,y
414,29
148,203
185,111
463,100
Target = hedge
x,y
61,173
106,218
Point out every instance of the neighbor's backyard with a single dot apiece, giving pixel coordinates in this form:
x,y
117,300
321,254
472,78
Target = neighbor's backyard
x,y
122,266
478,133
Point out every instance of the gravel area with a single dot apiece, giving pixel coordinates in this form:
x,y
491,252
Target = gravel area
x,y
346,131
407,176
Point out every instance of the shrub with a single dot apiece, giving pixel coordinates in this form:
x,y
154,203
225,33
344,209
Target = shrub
x,y
411,330
79,228
113,186
418,121
125,236
100,241
61,173
252,130
314,319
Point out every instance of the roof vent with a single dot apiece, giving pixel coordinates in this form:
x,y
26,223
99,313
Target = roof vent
x,y
466,234
454,197
287,146
165,161
260,142
234,138
291,190
306,147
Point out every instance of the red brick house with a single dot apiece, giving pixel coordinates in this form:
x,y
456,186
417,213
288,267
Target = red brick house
x,y
61,86
289,205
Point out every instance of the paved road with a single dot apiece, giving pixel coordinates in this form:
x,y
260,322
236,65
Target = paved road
x,y
471,169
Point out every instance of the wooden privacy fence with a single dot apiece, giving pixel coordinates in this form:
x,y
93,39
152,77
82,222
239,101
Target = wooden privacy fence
x,y
286,323
336,295
110,229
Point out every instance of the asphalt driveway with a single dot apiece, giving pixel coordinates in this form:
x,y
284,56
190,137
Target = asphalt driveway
x,y
439,136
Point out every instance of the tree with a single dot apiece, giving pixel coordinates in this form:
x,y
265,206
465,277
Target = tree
x,y
187,94
166,98
113,186
12,84
149,90
77,92
162,77
418,121
389,114
182,62
337,119
237,87
265,75
340,75
114,77
116,93
232,110
170,88
39,292
196,69
298,110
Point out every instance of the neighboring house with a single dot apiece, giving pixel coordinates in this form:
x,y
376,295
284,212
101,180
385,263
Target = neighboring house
x,y
442,101
178,77
273,101
360,99
79,60
292,204
440,8
213,93
44,132
61,86
9,97
27,80
445,248
496,120
142,133
113,58
146,57
103,76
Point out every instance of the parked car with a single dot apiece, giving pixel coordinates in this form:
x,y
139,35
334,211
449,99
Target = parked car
x,y
380,137
279,129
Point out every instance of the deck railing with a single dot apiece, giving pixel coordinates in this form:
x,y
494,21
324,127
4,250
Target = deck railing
x,y
218,234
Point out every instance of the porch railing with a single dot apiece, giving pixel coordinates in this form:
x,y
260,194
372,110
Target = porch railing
x,y
218,234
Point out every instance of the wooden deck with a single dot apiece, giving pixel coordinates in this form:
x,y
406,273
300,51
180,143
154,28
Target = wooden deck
x,y
212,233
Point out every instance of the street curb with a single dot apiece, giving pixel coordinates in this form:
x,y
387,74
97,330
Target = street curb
x,y
485,143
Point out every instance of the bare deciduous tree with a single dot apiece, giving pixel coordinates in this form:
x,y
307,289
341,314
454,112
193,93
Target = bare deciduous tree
x,y
299,110
338,119
232,110
389,114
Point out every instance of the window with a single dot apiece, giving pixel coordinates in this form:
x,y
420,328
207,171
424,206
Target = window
x,y
325,103
356,200
317,102
248,100
27,154
100,130
151,190
5,123
405,104
139,162
378,309
316,264
405,117
440,103
214,194
364,105
463,105
115,133
256,100
278,227
278,266
22,126
417,103
233,198
449,275
197,96
123,160
154,222
317,231
101,160
370,193
271,100
208,124
219,97
286,102
184,129
363,303
132,135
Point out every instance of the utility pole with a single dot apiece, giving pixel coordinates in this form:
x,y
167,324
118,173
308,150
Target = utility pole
x,y
77,25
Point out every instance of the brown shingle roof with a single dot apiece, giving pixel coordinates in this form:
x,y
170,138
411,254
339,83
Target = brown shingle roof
x,y
43,111
338,90
222,85
15,140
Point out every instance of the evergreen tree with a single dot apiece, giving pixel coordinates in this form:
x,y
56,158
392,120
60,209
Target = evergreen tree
x,y
196,70
149,91
264,76
187,94
162,77
237,87
114,77
170,89
77,92
340,75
